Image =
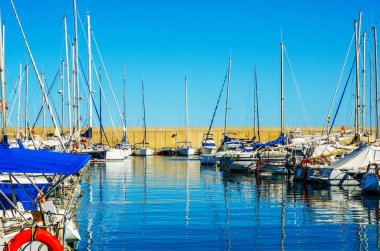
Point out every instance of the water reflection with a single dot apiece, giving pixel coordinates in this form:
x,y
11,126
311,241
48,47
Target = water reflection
x,y
174,203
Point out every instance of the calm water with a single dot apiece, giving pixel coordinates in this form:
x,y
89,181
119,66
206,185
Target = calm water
x,y
176,204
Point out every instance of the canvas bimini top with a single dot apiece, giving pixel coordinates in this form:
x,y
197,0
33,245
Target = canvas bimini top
x,y
15,160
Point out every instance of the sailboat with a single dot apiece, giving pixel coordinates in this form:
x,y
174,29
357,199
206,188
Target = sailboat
x,y
127,148
186,149
144,150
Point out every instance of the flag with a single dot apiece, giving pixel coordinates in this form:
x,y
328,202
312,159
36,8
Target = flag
x,y
1,105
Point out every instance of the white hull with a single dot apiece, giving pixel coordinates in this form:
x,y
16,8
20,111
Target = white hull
x,y
185,151
115,154
144,151
334,177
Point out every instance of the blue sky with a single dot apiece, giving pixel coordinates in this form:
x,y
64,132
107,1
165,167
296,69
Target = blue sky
x,y
168,39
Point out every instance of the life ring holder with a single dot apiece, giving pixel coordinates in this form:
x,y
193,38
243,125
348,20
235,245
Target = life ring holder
x,y
305,162
36,234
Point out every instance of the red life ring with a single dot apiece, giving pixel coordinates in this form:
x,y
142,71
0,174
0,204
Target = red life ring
x,y
41,235
304,161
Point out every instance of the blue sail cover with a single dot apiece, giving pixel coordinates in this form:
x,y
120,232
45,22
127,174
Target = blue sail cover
x,y
15,160
280,141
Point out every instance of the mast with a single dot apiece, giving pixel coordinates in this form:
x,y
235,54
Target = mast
x,y
74,101
124,109
363,82
227,98
76,73
370,93
2,76
26,99
257,106
254,103
19,101
67,77
89,69
63,96
43,108
282,87
376,83
186,115
357,79
143,108
100,106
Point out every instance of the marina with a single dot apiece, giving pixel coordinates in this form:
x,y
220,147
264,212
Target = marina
x,y
138,131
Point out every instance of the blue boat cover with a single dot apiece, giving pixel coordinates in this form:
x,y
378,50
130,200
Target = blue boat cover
x,y
280,141
15,160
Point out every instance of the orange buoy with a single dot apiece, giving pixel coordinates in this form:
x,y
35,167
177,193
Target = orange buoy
x,y
39,234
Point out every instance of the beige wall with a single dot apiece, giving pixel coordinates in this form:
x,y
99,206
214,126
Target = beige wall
x,y
159,137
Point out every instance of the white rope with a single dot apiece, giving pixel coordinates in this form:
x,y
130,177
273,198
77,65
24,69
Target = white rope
x,y
338,84
297,88
108,81
15,98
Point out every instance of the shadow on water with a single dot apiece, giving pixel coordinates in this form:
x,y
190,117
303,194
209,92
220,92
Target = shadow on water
x,y
175,204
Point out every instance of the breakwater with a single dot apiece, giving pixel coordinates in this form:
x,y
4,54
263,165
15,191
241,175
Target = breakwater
x,y
159,137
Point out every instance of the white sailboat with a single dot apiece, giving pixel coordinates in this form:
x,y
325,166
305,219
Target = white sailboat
x,y
186,149
144,150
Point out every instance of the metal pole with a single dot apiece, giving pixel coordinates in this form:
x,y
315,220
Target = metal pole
x,y
68,77
100,106
254,103
363,82
376,84
63,95
370,93
74,100
124,109
186,114
282,87
2,76
357,79
19,101
76,65
227,99
89,69
26,99
43,108
143,107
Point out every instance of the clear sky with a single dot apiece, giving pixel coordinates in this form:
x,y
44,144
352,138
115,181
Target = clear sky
x,y
167,39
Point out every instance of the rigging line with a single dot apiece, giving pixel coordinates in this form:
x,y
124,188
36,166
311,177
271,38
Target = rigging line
x,y
108,79
341,98
105,100
217,104
93,101
338,84
48,94
297,88
18,91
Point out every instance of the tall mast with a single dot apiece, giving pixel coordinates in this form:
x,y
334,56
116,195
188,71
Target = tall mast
x,y
63,96
124,109
26,99
143,108
363,82
74,100
186,115
19,101
89,68
376,83
67,77
43,108
282,87
2,76
100,106
76,65
254,102
227,99
370,93
357,79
